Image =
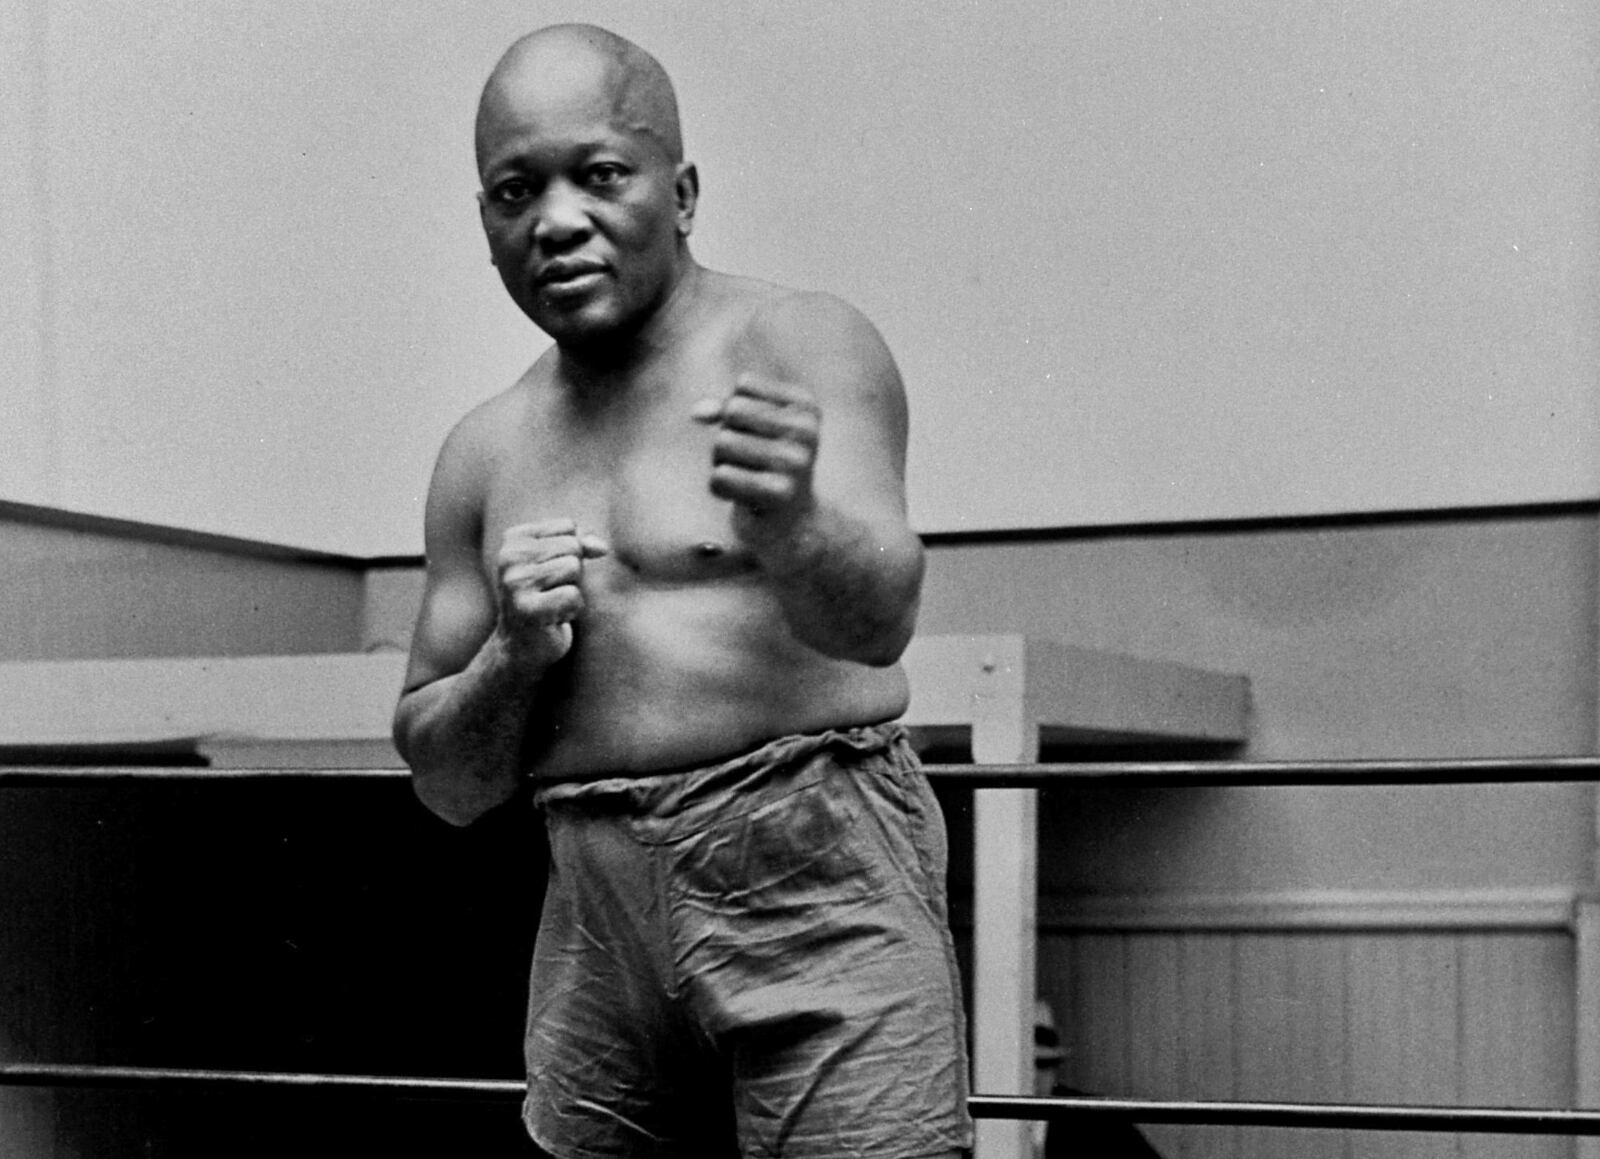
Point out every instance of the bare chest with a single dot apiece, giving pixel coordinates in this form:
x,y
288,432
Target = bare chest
x,y
635,472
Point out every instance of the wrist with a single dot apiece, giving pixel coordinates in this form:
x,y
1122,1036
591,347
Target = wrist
x,y
527,655
779,534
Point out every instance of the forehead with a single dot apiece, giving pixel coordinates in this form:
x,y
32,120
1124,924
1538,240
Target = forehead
x,y
568,99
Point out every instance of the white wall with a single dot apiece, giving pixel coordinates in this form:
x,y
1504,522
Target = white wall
x,y
1434,638
1153,261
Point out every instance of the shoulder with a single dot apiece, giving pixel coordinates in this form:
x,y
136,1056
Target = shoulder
x,y
484,434
811,318
481,429
473,449
808,334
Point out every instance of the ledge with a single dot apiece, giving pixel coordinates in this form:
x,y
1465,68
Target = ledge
x,y
1007,693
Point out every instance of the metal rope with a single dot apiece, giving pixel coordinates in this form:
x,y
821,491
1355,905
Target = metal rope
x,y
1185,774
1350,1116
1465,1120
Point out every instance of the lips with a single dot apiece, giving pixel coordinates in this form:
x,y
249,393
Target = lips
x,y
567,273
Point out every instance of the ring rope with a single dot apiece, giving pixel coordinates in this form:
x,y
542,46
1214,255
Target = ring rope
x,y
1180,774
1354,1116
1460,1120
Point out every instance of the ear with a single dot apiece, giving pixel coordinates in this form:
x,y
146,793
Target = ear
x,y
687,187
478,197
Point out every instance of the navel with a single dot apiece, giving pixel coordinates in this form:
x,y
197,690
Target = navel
x,y
710,549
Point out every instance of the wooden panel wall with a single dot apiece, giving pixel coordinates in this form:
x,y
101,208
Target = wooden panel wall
x,y
90,590
1446,1017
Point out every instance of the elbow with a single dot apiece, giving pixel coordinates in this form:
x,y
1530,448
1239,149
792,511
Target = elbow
x,y
885,650
877,658
447,791
880,641
453,808
455,794
891,635
874,650
877,645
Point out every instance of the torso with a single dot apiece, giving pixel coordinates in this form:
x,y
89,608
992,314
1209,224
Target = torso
x,y
682,656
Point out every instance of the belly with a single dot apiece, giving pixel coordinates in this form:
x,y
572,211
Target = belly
x,y
672,676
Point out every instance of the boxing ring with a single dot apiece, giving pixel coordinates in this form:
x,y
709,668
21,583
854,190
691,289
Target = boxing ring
x,y
325,719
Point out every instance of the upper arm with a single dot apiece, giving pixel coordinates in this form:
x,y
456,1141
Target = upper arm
x,y
458,603
827,346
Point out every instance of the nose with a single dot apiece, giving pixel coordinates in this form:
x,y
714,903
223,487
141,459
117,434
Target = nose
x,y
562,219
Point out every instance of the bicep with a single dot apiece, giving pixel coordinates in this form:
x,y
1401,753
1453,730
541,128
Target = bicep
x,y
456,617
458,609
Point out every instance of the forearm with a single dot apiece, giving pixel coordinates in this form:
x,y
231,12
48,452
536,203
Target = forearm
x,y
848,588
462,734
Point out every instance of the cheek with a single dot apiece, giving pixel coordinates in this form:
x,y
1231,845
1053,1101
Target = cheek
x,y
644,224
502,241
504,231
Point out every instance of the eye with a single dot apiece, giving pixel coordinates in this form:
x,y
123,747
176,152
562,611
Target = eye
x,y
510,193
604,175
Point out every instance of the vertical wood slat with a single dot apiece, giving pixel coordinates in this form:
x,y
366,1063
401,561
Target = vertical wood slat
x,y
1099,1031
1291,1035
1512,1015
1263,1028
1319,981
1586,1051
1058,984
1155,1001
1402,1008
1206,1040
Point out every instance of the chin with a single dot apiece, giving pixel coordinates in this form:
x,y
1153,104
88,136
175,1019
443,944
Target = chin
x,y
590,326
579,335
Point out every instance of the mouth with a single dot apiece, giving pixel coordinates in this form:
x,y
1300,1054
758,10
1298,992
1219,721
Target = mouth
x,y
569,276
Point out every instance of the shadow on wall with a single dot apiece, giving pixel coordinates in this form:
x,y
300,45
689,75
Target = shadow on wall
x,y
232,926
27,1117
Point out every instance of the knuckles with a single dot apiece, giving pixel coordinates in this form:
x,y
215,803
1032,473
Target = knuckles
x,y
741,485
522,549
550,604
773,391
784,458
798,420
540,567
546,573
541,609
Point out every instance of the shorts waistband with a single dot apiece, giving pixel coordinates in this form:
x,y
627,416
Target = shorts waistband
x,y
680,794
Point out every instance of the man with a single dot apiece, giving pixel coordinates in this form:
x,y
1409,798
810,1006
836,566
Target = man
x,y
669,580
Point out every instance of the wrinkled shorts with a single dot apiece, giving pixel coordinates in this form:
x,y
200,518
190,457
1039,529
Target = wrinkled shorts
x,y
752,958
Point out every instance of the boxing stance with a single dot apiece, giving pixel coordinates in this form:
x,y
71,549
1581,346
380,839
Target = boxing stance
x,y
669,580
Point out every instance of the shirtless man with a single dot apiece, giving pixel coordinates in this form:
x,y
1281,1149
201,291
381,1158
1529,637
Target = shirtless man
x,y
670,578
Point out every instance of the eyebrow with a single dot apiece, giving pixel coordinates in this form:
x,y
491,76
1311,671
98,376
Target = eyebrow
x,y
619,135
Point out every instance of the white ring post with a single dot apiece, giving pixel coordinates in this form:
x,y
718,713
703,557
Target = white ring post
x,y
1005,900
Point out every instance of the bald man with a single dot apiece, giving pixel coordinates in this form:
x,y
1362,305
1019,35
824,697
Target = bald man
x,y
669,581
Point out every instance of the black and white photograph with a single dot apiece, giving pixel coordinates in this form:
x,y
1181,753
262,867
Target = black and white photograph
x,y
845,579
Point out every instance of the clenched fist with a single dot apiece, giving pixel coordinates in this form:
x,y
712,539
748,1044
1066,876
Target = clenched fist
x,y
540,574
764,451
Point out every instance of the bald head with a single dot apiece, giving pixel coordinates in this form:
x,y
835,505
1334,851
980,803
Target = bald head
x,y
581,58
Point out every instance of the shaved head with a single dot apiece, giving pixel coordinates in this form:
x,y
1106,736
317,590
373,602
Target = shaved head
x,y
584,58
